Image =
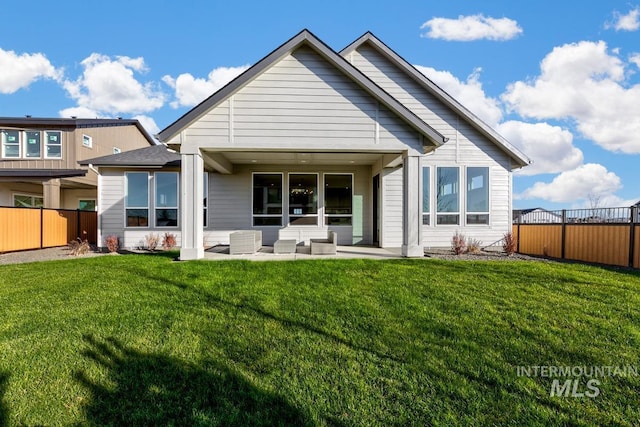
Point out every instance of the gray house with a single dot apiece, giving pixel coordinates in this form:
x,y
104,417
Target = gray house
x,y
310,140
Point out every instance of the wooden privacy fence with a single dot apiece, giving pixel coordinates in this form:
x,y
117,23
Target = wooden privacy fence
x,y
604,235
37,228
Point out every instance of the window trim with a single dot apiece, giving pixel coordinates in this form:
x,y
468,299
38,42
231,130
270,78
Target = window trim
x,y
46,144
460,195
324,200
4,143
157,208
282,210
429,201
32,195
205,201
317,215
88,138
466,197
126,196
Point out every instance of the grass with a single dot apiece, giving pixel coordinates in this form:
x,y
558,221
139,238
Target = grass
x,y
143,340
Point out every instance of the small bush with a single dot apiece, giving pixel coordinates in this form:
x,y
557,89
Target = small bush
x,y
152,241
79,247
474,246
509,243
112,243
168,241
458,243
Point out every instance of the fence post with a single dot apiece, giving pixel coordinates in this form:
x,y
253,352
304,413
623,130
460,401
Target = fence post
x,y
41,227
78,225
632,234
564,233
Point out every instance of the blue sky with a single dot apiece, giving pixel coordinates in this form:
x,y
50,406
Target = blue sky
x,y
559,80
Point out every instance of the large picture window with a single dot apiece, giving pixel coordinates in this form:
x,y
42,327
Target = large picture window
x,y
448,195
11,144
53,142
27,201
137,199
338,199
267,199
166,199
32,144
477,195
303,199
426,201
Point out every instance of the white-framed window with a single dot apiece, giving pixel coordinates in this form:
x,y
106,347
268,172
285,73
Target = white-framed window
x,y
136,199
267,198
32,144
205,200
87,141
477,195
116,150
166,199
303,198
426,192
28,200
11,144
53,144
448,195
338,198
87,204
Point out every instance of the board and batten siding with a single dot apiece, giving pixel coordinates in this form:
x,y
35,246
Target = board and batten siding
x,y
466,147
302,102
230,206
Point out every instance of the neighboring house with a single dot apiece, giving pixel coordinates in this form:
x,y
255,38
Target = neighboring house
x,y
536,216
310,140
39,158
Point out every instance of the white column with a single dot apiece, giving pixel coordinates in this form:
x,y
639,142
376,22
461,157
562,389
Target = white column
x,y
191,216
412,245
51,193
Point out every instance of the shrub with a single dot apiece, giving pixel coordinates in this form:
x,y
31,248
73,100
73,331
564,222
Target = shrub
x,y
168,241
509,243
474,246
79,247
458,243
152,241
112,243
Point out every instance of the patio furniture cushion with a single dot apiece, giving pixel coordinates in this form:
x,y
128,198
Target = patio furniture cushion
x,y
328,246
245,242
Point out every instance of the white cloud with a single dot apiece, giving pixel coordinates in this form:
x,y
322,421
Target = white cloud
x,y
468,28
582,82
574,185
148,123
19,71
80,112
469,93
628,22
549,147
108,86
635,58
190,90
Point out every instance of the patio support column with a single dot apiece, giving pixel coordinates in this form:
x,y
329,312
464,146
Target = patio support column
x,y
191,216
412,245
51,193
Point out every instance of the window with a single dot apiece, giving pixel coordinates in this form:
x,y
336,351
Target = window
x,y
137,199
426,203
116,150
448,196
478,195
32,144
267,199
11,144
166,206
303,199
27,201
87,141
87,205
205,197
338,199
53,145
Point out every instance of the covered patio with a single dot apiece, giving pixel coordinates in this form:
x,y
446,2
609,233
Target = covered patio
x,y
221,253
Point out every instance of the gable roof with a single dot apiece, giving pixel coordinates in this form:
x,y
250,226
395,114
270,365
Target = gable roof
x,y
520,158
72,123
305,37
154,156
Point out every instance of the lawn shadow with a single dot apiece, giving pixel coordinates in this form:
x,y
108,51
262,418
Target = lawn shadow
x,y
4,411
154,389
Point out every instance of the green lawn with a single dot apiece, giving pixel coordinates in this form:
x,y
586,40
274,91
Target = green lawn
x,y
143,340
